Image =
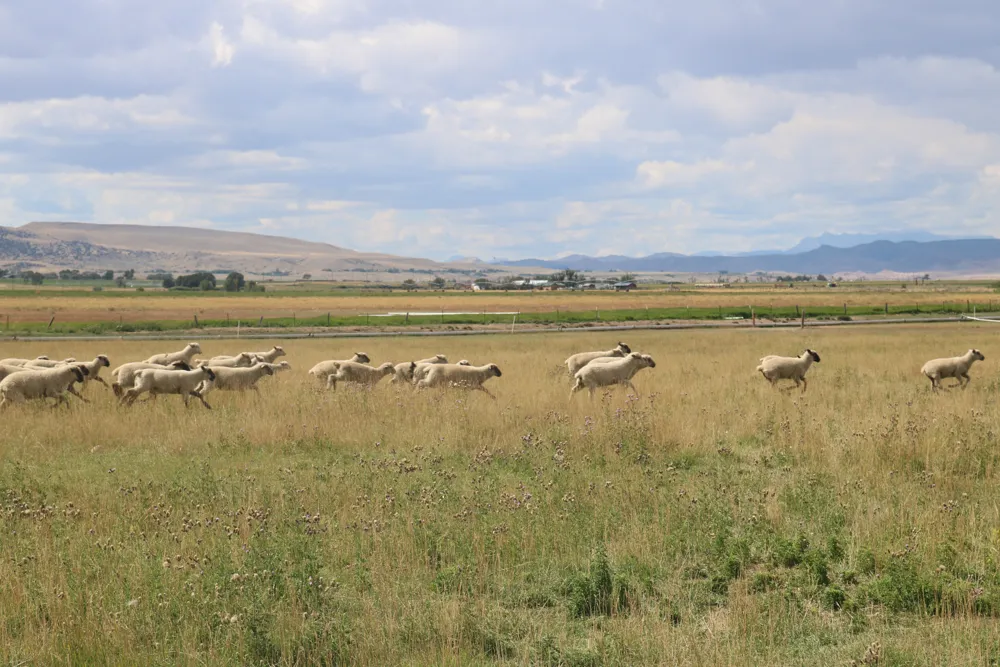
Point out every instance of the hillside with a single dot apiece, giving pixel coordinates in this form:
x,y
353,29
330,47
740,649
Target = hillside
x,y
58,245
980,256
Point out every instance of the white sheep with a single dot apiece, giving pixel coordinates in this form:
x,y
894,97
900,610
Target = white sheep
x,y
578,361
404,371
322,370
49,363
617,371
40,383
421,370
21,362
125,374
241,360
775,368
186,355
94,371
157,381
349,371
270,356
235,379
6,370
458,375
954,367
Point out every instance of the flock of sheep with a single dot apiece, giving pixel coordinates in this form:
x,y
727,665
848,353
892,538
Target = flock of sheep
x,y
181,374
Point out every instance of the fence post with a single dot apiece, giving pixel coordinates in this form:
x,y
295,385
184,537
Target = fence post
x,y
237,329
442,316
227,319
368,318
196,325
753,317
407,320
886,308
8,323
966,305
51,321
260,322
293,319
802,322
797,313
328,319
845,309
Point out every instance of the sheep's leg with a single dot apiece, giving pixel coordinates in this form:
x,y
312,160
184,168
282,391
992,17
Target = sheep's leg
x,y
804,385
485,391
99,379
967,379
202,399
73,391
628,383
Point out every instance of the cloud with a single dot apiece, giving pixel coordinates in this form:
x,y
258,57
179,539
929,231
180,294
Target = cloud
x,y
519,129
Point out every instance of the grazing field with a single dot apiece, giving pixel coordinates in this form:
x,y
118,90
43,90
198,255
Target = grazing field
x,y
55,310
709,520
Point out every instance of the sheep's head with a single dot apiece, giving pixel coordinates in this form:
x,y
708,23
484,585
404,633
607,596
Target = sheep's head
x,y
209,373
647,360
194,347
278,351
69,360
361,358
386,368
79,373
42,358
245,359
976,354
268,370
441,358
413,367
181,366
284,366
464,362
623,348
815,357
495,370
103,360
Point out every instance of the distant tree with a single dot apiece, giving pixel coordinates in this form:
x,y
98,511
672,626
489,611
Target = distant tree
x,y
194,280
120,281
253,286
168,281
629,277
3,273
109,275
130,274
206,285
410,282
32,277
437,282
307,276
821,278
234,282
67,274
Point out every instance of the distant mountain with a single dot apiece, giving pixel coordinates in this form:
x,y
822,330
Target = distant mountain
x,y
962,255
851,240
147,248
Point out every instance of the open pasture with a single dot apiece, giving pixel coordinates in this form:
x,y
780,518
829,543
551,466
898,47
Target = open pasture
x,y
24,306
709,520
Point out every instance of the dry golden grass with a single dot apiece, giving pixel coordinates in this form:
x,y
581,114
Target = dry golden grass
x,y
740,525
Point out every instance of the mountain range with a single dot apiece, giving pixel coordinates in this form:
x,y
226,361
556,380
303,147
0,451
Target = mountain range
x,y
949,256
49,246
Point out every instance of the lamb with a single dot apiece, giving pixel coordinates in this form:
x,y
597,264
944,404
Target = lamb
x,y
421,370
235,379
605,374
156,381
126,373
268,357
186,355
578,361
456,375
954,367
776,368
404,371
41,383
323,369
241,360
94,367
349,371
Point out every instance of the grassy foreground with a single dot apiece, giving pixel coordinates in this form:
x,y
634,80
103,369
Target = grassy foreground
x,y
709,521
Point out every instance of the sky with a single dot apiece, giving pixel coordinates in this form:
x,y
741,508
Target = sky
x,y
510,129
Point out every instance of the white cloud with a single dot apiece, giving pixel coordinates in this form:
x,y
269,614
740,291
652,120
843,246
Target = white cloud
x,y
222,49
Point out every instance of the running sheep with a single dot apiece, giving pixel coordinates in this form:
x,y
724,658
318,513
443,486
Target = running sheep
x,y
49,363
458,375
349,371
41,383
157,381
405,370
953,367
268,357
323,369
617,371
241,360
126,373
235,379
578,361
94,371
775,368
21,362
186,355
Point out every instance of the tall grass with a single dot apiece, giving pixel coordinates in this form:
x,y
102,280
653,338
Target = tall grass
x,y
710,520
